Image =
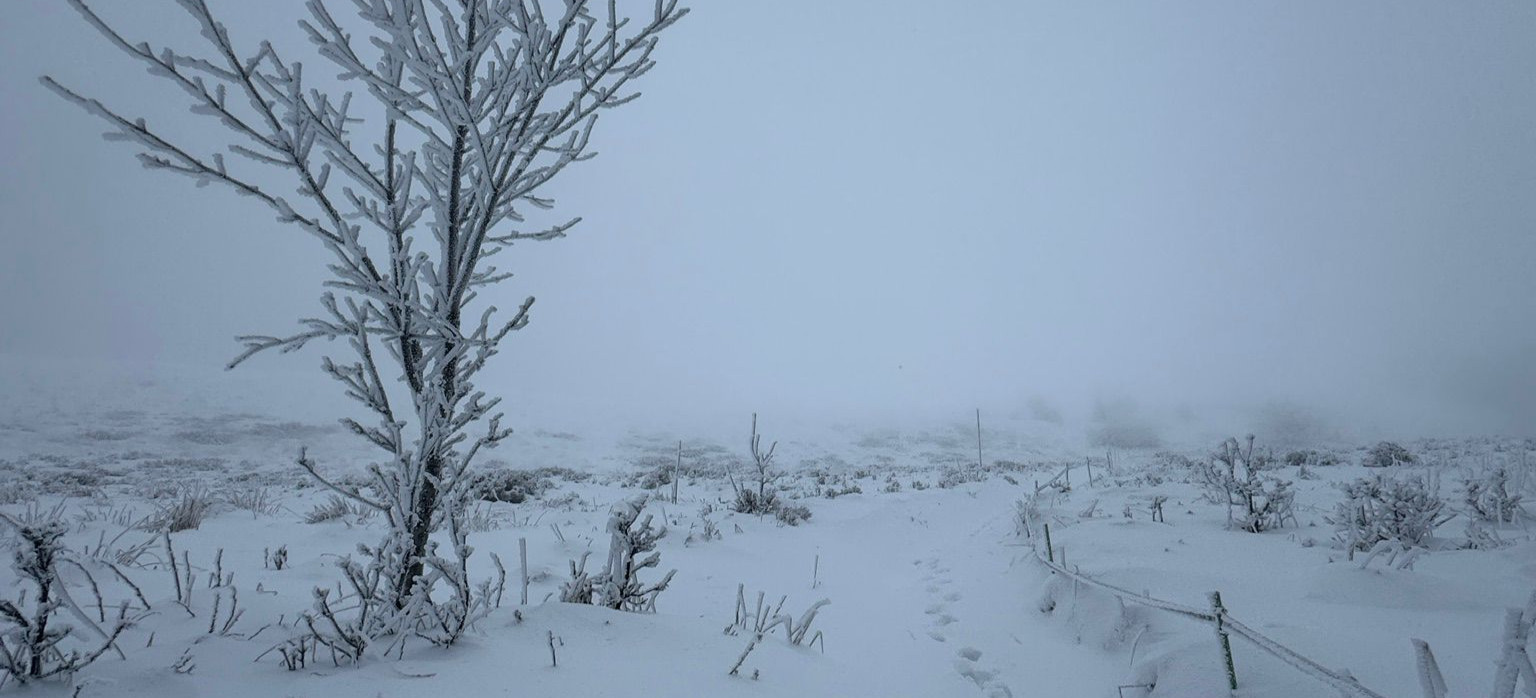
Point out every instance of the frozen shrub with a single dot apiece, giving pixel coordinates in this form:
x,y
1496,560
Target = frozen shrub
x,y
792,514
577,589
255,499
618,586
1237,476
765,500
338,508
1385,455
748,502
706,530
185,511
834,493
954,476
1481,536
1380,508
39,636
510,486
1311,457
515,486
1489,499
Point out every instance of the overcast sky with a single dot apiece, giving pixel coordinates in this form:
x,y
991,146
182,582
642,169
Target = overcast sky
x,y
860,207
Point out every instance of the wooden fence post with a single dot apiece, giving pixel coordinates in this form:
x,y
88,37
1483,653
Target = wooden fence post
x,y
522,554
1226,643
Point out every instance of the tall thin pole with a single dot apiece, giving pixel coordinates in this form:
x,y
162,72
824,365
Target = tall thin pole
x,y
978,439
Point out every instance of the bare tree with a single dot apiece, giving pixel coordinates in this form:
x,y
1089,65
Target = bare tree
x,y
475,105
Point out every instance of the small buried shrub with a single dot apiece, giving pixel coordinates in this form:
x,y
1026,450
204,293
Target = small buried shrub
x,y
510,486
618,586
749,502
255,499
1310,457
338,508
792,514
834,493
1489,498
185,511
515,486
1385,455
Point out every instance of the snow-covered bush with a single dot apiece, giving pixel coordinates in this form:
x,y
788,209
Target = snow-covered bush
x,y
516,486
370,615
38,638
1379,508
1489,498
1386,454
511,486
765,499
1481,536
792,514
706,529
577,589
619,586
1240,478
185,511
338,508
762,620
1310,457
255,499
748,501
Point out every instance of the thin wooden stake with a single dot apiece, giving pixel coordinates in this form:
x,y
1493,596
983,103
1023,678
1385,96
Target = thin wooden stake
x,y
522,553
1226,642
175,573
978,438
1050,555
677,471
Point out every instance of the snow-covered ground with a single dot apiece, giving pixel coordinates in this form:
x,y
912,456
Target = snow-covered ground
x,y
933,589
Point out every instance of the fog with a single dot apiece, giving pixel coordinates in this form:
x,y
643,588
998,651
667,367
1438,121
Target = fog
x,y
882,210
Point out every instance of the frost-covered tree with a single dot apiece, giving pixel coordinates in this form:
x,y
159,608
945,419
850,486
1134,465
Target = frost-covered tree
x,y
413,169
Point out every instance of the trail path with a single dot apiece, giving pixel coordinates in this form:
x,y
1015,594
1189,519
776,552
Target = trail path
x,y
933,596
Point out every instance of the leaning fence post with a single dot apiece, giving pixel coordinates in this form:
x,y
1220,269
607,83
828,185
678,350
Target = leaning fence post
x,y
1050,555
1219,612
